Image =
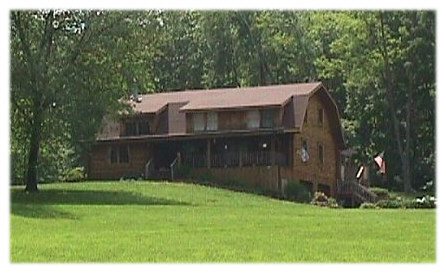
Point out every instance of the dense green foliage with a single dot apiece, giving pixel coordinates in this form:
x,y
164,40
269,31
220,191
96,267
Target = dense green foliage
x,y
68,69
298,192
176,222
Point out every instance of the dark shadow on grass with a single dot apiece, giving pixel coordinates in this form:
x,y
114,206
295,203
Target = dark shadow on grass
x,y
40,211
93,197
40,205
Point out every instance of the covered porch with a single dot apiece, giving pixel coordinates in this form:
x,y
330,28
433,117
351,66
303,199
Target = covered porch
x,y
220,152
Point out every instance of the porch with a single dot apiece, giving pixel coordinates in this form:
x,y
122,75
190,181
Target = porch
x,y
218,152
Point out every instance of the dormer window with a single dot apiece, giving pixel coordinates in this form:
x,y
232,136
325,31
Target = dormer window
x,y
136,128
267,118
212,121
198,122
253,118
205,121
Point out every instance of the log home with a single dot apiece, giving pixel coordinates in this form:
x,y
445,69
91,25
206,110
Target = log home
x,y
264,136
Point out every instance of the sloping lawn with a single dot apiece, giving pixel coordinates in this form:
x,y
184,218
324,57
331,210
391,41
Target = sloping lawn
x,y
176,222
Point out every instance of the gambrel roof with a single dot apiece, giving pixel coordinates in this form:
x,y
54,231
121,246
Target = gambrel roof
x,y
227,98
174,105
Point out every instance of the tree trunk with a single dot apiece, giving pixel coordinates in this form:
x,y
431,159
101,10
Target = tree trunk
x,y
389,86
31,177
407,170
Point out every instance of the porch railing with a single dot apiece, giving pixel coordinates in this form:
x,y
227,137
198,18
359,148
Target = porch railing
x,y
148,169
173,167
353,188
235,159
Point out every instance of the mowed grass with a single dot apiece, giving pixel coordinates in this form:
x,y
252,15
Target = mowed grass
x,y
178,222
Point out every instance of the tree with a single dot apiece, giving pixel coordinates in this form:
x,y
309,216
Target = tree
x,y
377,55
62,68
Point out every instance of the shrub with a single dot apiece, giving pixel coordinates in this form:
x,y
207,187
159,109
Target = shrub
x,y
320,199
426,202
205,177
390,204
368,206
331,203
298,192
183,171
74,175
381,193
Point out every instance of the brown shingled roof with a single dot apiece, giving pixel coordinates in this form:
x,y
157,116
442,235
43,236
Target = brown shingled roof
x,y
197,100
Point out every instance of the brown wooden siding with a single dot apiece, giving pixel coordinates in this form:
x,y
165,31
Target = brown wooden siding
x,y
314,133
177,119
288,115
101,167
162,124
265,177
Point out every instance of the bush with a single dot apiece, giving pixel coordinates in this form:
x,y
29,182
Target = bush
x,y
390,204
381,193
183,171
368,206
74,175
298,192
320,199
426,202
205,178
332,203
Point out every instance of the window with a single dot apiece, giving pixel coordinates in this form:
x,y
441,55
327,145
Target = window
x,y
130,129
114,156
143,128
304,153
321,153
119,154
212,121
267,118
198,121
253,118
306,116
321,116
123,154
304,144
136,128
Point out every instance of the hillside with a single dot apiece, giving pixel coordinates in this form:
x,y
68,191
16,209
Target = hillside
x,y
178,222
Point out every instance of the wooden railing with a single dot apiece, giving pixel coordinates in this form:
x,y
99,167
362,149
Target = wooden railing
x,y
355,189
148,169
235,159
173,167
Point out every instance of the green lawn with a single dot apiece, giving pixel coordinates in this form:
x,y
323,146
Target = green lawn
x,y
176,222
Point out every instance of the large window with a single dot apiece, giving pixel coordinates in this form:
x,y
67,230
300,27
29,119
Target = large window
x,y
267,119
136,128
198,122
212,121
143,128
205,121
119,154
253,118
